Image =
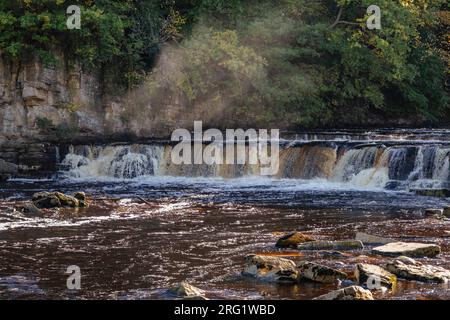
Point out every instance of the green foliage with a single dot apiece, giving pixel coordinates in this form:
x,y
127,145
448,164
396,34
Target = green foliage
x,y
66,132
122,36
287,63
44,124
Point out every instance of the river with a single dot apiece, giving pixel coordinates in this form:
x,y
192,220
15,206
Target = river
x,y
198,222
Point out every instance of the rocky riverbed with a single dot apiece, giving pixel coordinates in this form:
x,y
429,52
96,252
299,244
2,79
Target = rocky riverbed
x,y
132,246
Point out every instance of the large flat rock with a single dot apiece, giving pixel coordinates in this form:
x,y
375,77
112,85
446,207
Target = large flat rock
x,y
372,239
410,249
410,269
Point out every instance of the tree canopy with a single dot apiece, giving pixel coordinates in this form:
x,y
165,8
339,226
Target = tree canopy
x,y
286,62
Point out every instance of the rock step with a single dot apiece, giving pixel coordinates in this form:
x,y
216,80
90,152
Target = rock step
x,y
331,245
372,239
411,249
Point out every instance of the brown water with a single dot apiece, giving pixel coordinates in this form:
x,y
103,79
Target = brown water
x,y
199,230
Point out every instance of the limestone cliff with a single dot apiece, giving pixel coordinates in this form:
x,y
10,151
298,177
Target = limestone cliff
x,y
41,106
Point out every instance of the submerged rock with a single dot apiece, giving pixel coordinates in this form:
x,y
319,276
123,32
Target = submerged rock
x,y
411,269
349,293
29,209
371,239
434,213
441,193
291,240
58,199
187,291
269,268
332,245
320,273
372,276
411,249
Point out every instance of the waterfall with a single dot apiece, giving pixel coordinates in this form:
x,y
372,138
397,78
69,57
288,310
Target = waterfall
x,y
123,162
376,165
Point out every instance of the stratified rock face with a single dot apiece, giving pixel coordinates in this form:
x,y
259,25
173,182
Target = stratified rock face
x,y
372,276
272,269
372,239
319,273
349,293
55,200
410,249
185,290
410,269
291,240
332,245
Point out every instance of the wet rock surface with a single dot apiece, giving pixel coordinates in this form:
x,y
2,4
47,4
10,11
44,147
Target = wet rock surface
x,y
366,238
332,245
410,269
291,240
45,200
435,192
319,273
411,249
271,269
372,276
184,290
349,293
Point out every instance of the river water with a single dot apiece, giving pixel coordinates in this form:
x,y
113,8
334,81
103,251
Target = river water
x,y
198,222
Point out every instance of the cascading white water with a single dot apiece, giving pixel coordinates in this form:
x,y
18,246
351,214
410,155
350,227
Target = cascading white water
x,y
371,166
113,161
353,162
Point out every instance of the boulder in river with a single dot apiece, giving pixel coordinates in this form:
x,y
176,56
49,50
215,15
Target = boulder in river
x,y
331,245
410,249
374,277
269,268
291,240
185,290
372,239
348,293
320,273
411,269
56,200
432,212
